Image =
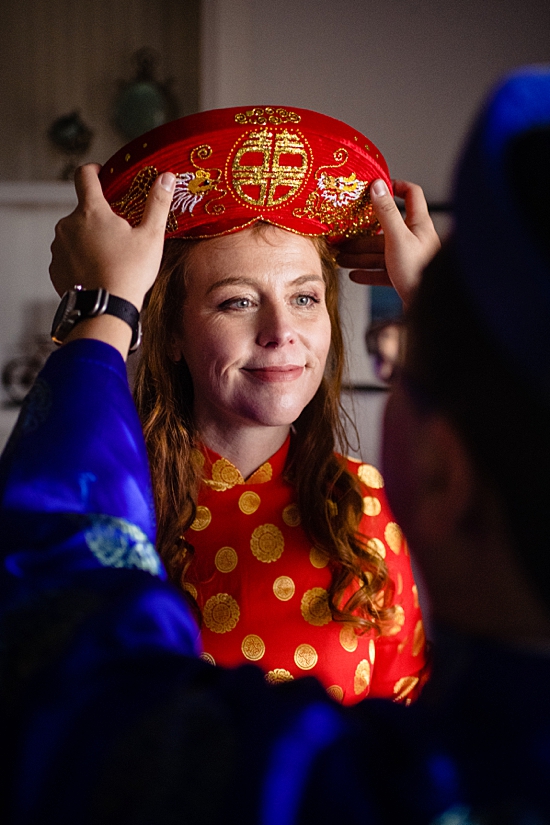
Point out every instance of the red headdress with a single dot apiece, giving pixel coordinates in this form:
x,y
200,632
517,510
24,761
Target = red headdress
x,y
293,168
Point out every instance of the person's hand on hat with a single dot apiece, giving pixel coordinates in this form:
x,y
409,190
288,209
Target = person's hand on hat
x,y
95,248
399,256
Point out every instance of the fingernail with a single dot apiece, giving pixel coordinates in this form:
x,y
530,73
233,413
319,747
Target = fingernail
x,y
167,181
379,188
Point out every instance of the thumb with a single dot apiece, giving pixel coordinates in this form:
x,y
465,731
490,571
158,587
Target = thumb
x,y
385,207
158,203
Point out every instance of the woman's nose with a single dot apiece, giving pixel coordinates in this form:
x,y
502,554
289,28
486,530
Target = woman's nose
x,y
275,327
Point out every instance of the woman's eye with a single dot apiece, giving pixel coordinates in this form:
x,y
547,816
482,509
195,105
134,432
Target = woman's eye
x,y
306,300
237,303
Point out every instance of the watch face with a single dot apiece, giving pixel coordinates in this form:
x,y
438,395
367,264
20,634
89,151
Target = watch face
x,y
65,317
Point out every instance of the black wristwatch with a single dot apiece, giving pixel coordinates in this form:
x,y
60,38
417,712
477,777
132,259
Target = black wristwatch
x,y
78,304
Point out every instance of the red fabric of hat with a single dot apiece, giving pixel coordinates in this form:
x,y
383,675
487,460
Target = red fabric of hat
x,y
293,168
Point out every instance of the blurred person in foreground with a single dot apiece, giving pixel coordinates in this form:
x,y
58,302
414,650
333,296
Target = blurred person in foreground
x,y
109,717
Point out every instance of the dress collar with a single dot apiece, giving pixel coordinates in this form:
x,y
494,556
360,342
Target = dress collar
x,y
220,474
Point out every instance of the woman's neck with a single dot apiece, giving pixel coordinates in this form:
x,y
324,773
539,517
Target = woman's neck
x,y
247,447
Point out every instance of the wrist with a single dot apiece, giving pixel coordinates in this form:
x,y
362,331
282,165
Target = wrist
x,y
81,305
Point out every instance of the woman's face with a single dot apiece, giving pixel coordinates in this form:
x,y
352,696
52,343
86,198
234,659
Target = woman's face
x,y
255,328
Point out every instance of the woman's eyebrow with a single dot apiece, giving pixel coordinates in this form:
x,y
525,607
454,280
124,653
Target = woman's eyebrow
x,y
238,281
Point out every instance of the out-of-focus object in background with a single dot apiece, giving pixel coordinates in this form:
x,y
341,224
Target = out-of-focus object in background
x,y
71,136
144,102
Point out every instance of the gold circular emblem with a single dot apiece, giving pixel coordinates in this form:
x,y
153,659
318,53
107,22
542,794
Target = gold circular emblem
x,y
398,620
404,686
370,476
371,506
191,589
253,647
315,607
284,588
226,474
305,657
415,595
221,613
267,543
262,474
348,638
202,518
335,692
226,559
318,558
207,657
197,458
418,638
291,515
399,584
269,167
361,680
372,651
249,502
376,546
393,536
279,674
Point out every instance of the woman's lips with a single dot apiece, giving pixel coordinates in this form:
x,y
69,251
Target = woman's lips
x,y
275,374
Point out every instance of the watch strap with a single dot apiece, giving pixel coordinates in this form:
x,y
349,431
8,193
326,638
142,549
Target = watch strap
x,y
79,304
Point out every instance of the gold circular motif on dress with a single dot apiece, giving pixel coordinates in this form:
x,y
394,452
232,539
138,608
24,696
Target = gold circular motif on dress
x,y
226,474
191,589
404,686
361,680
377,547
203,518
336,693
371,506
419,638
197,458
291,515
279,674
398,620
305,657
226,559
399,584
249,502
284,588
253,647
315,607
415,595
370,476
372,651
348,638
318,558
393,536
267,543
262,474
221,613
207,657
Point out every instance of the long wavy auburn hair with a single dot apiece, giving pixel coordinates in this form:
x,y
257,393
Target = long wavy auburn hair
x,y
328,495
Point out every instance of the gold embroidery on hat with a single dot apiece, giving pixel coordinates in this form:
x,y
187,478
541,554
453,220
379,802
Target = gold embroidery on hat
x,y
249,502
272,181
277,675
221,613
418,638
315,607
305,656
376,546
370,476
361,680
335,692
318,558
348,638
393,536
132,204
284,588
261,116
226,559
203,518
207,657
291,515
253,647
340,201
371,506
404,686
267,543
